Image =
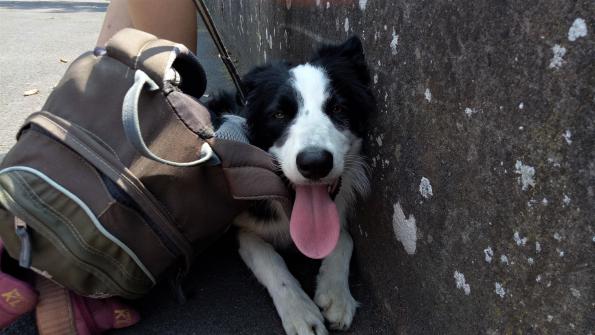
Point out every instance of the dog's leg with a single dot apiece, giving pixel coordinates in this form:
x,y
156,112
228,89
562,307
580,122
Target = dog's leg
x,y
332,291
299,314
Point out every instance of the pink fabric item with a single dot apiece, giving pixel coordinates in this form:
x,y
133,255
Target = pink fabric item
x,y
314,224
95,316
16,297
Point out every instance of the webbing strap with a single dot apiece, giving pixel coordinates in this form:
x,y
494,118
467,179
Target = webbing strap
x,y
223,53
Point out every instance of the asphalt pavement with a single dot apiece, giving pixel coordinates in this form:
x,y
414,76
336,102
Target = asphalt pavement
x,y
39,39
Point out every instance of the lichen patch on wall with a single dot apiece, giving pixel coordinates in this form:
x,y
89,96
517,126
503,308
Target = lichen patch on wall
x,y
577,30
461,282
425,188
500,290
557,59
518,240
405,229
394,42
362,4
470,111
527,175
567,136
489,254
428,95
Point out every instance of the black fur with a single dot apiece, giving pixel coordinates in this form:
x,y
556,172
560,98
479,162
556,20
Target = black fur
x,y
268,90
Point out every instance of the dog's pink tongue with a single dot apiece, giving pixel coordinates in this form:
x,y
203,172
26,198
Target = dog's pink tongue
x,y
314,224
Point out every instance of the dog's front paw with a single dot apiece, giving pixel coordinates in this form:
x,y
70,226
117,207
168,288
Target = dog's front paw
x,y
299,314
338,306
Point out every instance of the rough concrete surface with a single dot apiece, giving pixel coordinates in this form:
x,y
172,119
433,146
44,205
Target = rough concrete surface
x,y
481,218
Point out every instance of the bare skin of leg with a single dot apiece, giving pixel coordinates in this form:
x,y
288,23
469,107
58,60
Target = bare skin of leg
x,y
174,20
116,18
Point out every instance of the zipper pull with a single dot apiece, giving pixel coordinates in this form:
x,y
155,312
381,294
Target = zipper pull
x,y
20,228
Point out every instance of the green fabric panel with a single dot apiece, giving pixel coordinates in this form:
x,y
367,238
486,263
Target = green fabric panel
x,y
81,258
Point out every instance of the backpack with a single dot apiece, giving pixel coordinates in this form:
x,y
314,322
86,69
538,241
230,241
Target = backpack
x,y
120,178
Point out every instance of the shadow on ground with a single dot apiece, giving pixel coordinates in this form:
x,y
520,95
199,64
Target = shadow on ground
x,y
55,6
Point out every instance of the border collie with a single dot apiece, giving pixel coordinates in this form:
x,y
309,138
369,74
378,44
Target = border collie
x,y
311,118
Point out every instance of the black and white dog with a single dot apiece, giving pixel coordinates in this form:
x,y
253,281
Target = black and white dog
x,y
311,118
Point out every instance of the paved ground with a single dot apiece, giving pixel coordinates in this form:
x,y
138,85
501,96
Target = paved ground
x,y
224,297
35,36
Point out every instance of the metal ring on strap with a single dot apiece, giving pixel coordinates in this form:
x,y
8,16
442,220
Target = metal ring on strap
x,y
131,123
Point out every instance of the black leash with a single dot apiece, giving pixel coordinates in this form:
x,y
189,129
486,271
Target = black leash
x,y
223,53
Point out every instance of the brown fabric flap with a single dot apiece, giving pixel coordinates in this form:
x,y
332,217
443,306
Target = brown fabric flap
x,y
251,173
192,113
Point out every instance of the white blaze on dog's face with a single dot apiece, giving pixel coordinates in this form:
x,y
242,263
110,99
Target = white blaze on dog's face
x,y
313,148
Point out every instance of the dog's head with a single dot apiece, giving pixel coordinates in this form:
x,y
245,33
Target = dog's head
x,y
311,116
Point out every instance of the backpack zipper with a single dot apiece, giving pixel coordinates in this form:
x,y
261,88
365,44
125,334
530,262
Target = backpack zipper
x,y
20,228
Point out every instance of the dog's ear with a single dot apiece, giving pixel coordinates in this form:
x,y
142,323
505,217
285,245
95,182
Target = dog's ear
x,y
350,51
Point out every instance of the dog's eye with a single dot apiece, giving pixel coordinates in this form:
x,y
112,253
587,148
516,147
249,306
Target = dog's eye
x,y
336,109
279,115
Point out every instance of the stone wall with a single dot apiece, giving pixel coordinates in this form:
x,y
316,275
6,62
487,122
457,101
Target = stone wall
x,y
482,217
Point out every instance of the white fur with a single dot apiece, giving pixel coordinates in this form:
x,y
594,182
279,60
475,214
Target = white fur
x,y
311,127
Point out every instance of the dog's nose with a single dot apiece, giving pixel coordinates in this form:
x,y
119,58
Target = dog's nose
x,y
314,163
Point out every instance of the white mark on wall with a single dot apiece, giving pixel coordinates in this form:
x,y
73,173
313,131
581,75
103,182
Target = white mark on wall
x,y
560,252
567,136
544,201
504,259
362,4
566,200
576,293
521,105
537,247
557,237
550,318
428,95
379,140
376,78
394,42
405,229
461,283
425,188
470,111
530,260
328,5
577,30
489,253
527,175
500,290
519,241
346,25
557,59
